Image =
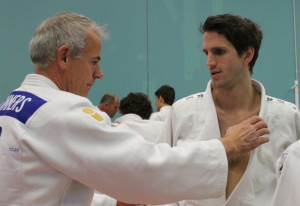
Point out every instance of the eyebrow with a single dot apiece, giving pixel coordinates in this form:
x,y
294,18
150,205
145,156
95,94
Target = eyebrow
x,y
217,47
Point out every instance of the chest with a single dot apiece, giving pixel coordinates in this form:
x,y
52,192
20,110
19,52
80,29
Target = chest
x,y
227,119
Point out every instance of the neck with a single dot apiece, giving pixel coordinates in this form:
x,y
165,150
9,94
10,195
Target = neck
x,y
163,105
52,75
238,97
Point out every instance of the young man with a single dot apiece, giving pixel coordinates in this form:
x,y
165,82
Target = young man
x,y
56,147
109,104
231,44
164,98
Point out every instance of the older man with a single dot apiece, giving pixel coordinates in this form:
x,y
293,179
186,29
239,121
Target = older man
x,y
109,104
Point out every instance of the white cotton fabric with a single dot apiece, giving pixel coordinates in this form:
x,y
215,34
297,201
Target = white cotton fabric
x,y
67,149
288,176
162,115
103,200
194,119
149,129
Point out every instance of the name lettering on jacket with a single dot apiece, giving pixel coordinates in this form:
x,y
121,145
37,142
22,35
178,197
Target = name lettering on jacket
x,y
21,105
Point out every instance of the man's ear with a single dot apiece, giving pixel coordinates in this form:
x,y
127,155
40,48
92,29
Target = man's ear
x,y
62,56
161,99
248,55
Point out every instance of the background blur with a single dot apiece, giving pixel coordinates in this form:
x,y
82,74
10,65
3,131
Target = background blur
x,y
155,42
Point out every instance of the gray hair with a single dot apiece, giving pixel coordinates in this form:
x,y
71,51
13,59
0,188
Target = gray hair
x,y
108,98
62,29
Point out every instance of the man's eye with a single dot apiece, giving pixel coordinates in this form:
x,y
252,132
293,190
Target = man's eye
x,y
219,52
94,63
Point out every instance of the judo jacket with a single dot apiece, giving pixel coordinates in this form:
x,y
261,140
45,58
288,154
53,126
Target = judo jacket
x,y
288,173
149,129
162,115
56,148
194,118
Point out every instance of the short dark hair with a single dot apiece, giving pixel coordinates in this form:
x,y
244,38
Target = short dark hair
x,y
167,93
108,98
136,103
241,32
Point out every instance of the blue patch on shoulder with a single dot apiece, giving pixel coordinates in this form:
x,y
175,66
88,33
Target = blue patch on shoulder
x,y
21,105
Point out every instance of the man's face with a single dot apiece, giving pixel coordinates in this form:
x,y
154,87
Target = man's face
x,y
158,102
226,67
82,72
113,108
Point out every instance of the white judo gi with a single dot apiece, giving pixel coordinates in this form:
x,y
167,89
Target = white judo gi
x,y
162,115
288,176
56,148
194,118
103,200
149,129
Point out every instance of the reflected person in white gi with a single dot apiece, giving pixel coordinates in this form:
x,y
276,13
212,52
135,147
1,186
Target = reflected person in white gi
x,y
56,147
231,44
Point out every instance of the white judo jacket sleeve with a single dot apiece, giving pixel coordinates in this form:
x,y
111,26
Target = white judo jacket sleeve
x,y
62,150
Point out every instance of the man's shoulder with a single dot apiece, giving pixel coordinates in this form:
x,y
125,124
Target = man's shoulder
x,y
155,116
197,97
280,103
36,107
60,104
273,102
60,101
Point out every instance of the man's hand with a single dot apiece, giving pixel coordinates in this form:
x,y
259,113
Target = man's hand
x,y
245,136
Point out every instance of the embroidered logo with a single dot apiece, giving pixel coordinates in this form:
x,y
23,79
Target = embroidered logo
x,y
200,95
13,149
93,114
280,101
189,98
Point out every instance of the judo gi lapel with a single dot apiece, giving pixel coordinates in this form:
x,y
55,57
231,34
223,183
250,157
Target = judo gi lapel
x,y
241,191
211,130
260,88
